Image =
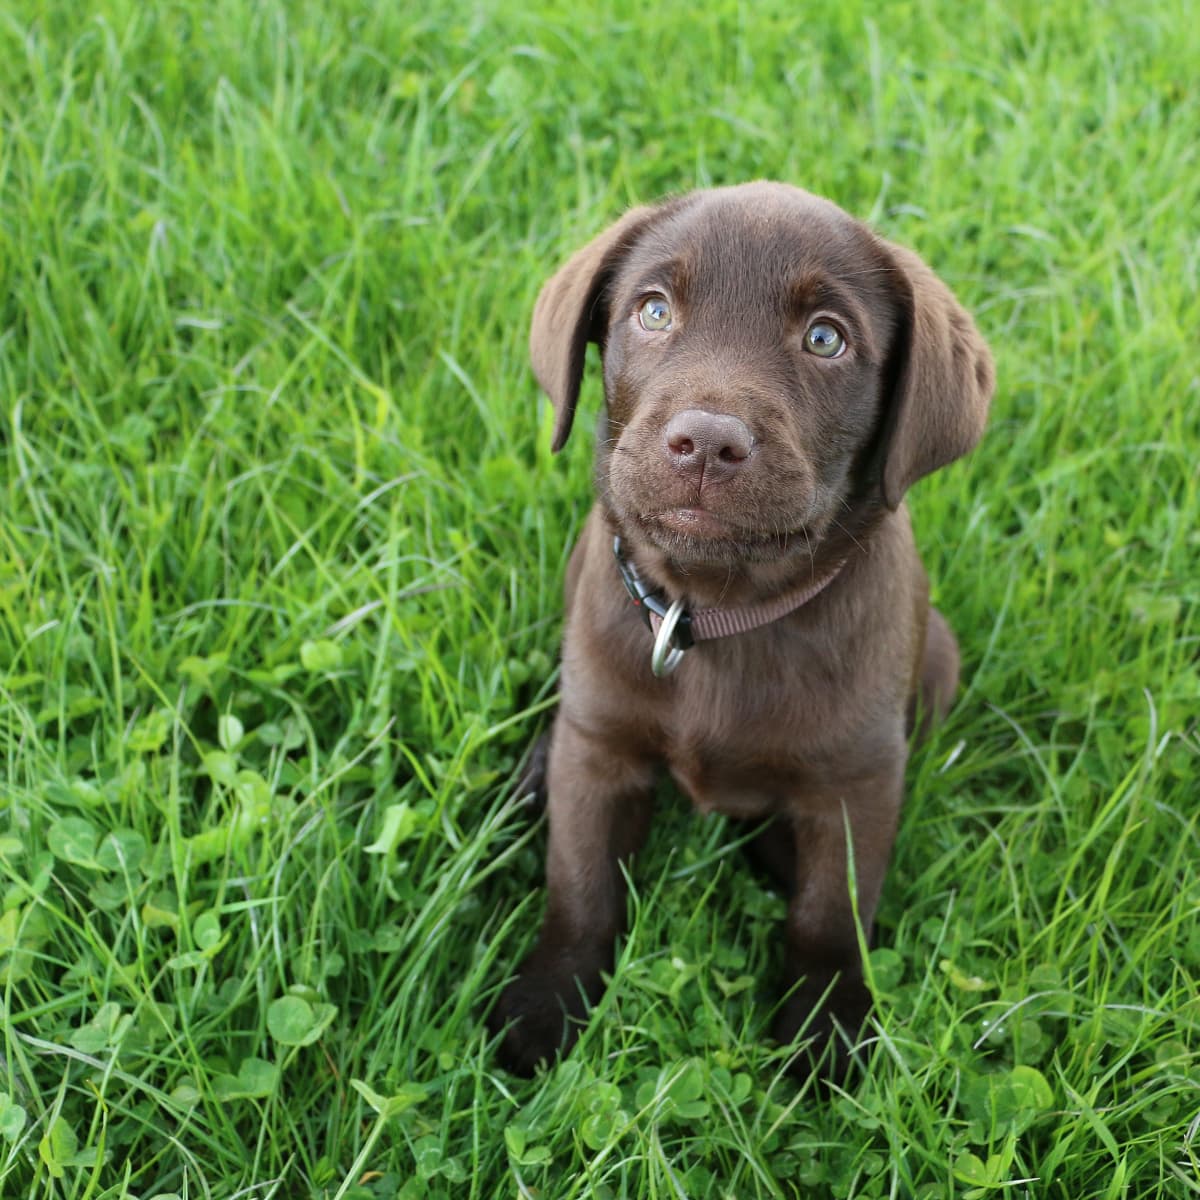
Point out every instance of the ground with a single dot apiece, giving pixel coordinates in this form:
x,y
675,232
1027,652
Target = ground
x,y
281,544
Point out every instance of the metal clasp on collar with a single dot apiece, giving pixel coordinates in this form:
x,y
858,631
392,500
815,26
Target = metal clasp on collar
x,y
674,633
665,656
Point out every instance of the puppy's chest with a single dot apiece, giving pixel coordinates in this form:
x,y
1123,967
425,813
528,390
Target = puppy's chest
x,y
744,759
757,791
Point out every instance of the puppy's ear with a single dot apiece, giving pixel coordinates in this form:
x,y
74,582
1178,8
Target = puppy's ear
x,y
572,310
944,380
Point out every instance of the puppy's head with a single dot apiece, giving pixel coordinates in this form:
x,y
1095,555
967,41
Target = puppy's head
x,y
770,364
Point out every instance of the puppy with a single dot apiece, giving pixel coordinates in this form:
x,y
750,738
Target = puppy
x,y
745,606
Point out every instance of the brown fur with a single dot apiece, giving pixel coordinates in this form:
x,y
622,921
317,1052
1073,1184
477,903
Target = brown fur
x,y
806,719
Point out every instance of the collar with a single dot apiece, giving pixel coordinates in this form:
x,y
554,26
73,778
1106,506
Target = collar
x,y
677,628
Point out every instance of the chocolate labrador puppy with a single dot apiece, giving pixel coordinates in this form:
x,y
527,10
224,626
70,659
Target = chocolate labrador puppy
x,y
745,606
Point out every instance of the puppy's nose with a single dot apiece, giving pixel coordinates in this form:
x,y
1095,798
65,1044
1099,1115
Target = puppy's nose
x,y
711,446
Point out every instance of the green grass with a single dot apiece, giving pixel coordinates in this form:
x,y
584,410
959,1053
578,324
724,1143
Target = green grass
x,y
281,543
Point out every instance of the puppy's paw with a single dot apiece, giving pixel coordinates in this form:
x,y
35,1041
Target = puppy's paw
x,y
826,1020
540,1016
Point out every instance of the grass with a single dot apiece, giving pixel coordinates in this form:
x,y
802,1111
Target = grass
x,y
281,543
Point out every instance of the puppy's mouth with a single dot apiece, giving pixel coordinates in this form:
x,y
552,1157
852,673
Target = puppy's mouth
x,y
698,534
694,522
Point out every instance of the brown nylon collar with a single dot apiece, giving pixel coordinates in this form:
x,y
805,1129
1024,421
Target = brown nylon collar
x,y
687,627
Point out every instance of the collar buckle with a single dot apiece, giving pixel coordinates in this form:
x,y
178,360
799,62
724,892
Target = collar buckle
x,y
650,604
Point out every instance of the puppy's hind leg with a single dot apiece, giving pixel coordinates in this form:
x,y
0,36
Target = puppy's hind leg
x,y
530,787
772,853
937,680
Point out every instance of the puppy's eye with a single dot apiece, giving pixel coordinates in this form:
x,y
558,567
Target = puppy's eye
x,y
655,314
824,340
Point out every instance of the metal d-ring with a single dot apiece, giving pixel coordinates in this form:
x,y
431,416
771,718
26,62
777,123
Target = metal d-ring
x,y
665,657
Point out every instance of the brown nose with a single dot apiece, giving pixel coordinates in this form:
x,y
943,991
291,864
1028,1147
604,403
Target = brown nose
x,y
711,446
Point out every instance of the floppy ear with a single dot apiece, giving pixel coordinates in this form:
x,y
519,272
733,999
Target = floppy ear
x,y
571,311
943,385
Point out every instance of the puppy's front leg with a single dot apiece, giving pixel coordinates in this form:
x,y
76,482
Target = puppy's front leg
x,y
599,809
822,941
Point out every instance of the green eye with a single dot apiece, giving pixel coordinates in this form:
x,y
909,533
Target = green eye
x,y
655,314
824,340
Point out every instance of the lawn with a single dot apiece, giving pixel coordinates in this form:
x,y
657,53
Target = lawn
x,y
281,547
